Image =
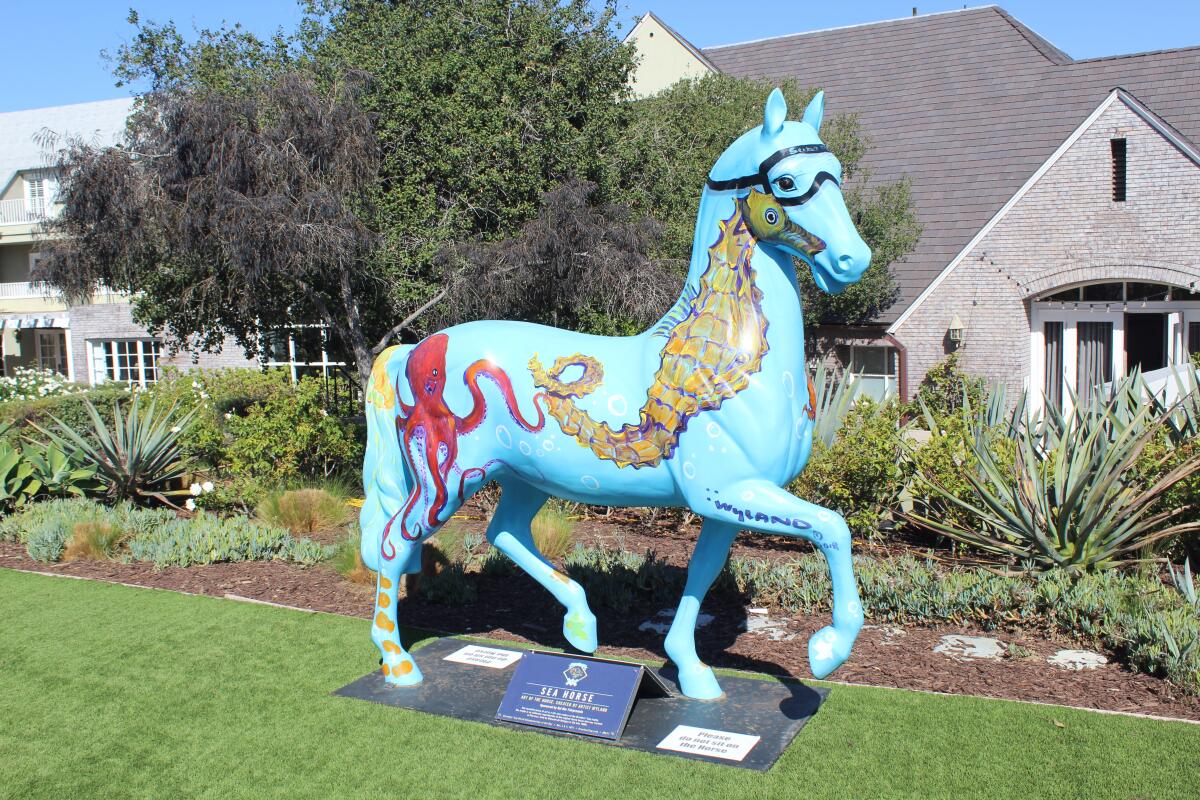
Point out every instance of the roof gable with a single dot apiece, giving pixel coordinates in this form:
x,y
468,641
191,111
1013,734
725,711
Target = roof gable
x,y
24,143
969,104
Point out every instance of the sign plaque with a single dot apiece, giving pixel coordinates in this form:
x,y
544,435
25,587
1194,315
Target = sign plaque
x,y
576,694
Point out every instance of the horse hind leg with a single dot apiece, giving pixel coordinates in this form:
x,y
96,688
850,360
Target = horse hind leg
x,y
695,678
510,532
399,668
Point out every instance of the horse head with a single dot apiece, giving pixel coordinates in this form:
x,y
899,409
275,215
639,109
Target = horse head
x,y
788,188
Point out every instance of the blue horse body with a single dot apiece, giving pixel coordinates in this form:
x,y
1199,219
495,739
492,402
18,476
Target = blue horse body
x,y
438,438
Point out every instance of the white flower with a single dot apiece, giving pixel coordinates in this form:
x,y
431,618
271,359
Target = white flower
x,y
175,429
324,413
190,505
207,486
228,415
195,489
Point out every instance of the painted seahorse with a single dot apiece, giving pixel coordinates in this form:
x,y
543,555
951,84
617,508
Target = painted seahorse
x,y
716,339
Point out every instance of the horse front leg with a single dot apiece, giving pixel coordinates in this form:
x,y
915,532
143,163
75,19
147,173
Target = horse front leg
x,y
399,668
696,679
762,506
510,532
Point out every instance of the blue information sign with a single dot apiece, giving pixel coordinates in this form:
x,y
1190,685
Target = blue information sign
x,y
576,694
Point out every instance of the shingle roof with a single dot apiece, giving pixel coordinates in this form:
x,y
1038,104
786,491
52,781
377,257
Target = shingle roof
x,y
21,145
967,103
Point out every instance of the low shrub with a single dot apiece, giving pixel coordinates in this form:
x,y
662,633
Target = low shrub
x,y
347,560
156,535
305,511
553,532
619,580
207,539
943,388
28,383
71,409
95,541
449,585
861,473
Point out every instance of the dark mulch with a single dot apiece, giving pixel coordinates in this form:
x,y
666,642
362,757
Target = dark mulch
x,y
515,608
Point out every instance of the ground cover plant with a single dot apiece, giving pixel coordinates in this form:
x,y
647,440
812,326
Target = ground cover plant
x,y
249,712
80,528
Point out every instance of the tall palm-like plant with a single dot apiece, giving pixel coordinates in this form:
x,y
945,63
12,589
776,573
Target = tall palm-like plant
x,y
138,457
1074,498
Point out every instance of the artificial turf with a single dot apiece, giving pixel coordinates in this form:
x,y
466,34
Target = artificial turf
x,y
112,691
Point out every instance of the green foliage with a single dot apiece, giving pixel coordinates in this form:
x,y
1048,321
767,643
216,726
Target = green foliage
x,y
16,478
450,585
619,580
553,532
1070,495
26,383
96,541
672,140
289,436
206,539
1145,623
69,408
861,473
54,473
254,429
944,387
304,511
137,458
347,560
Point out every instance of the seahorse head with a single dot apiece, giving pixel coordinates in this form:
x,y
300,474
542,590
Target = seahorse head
x,y
788,184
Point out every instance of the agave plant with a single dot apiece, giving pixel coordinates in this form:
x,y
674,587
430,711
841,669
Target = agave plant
x,y
836,395
16,485
1073,499
55,473
138,457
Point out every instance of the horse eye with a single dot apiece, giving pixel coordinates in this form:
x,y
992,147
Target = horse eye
x,y
786,183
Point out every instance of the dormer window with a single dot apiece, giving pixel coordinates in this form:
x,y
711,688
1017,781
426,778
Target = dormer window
x,y
1119,161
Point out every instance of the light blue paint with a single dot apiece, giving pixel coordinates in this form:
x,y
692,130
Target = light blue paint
x,y
728,463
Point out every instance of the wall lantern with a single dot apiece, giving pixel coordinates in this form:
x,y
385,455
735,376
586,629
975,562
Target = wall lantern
x,y
956,331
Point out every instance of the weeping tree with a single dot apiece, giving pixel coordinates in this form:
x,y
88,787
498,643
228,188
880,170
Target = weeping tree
x,y
580,263
229,214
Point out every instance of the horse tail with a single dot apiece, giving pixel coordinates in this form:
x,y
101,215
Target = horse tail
x,y
385,478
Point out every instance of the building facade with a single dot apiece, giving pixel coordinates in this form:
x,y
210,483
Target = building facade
x,y
1059,199
97,341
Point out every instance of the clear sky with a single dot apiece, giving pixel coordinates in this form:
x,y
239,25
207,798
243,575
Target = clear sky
x,y
52,50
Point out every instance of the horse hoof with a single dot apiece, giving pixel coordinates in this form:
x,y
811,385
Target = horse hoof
x,y
827,649
580,629
699,683
403,672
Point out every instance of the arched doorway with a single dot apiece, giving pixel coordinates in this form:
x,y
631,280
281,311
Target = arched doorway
x,y
1087,334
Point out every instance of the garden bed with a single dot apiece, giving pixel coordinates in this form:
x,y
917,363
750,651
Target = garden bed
x,y
515,608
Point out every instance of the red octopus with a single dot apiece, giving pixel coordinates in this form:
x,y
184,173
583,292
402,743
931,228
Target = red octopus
x,y
430,419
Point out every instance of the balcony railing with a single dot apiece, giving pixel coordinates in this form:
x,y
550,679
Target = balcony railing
x,y
22,212
24,290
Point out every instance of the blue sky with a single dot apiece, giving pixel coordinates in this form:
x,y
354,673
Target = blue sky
x,y
53,50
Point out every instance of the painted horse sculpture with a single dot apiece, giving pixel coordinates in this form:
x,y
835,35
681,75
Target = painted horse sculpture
x,y
709,409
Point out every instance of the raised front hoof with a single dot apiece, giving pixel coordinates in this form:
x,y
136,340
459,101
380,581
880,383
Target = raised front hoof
x,y
579,627
699,682
402,673
827,650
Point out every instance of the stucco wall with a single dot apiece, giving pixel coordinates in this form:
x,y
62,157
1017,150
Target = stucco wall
x,y
1065,229
14,262
662,59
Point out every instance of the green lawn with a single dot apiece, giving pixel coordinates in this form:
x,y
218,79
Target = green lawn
x,y
110,691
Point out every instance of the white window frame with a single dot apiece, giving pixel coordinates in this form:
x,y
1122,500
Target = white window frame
x,y
60,350
890,380
103,352
294,363
1179,314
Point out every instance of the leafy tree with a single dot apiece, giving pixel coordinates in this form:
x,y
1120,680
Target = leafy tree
x,y
578,264
364,141
674,138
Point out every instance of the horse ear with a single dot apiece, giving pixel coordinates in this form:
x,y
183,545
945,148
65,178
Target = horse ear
x,y
815,110
775,113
